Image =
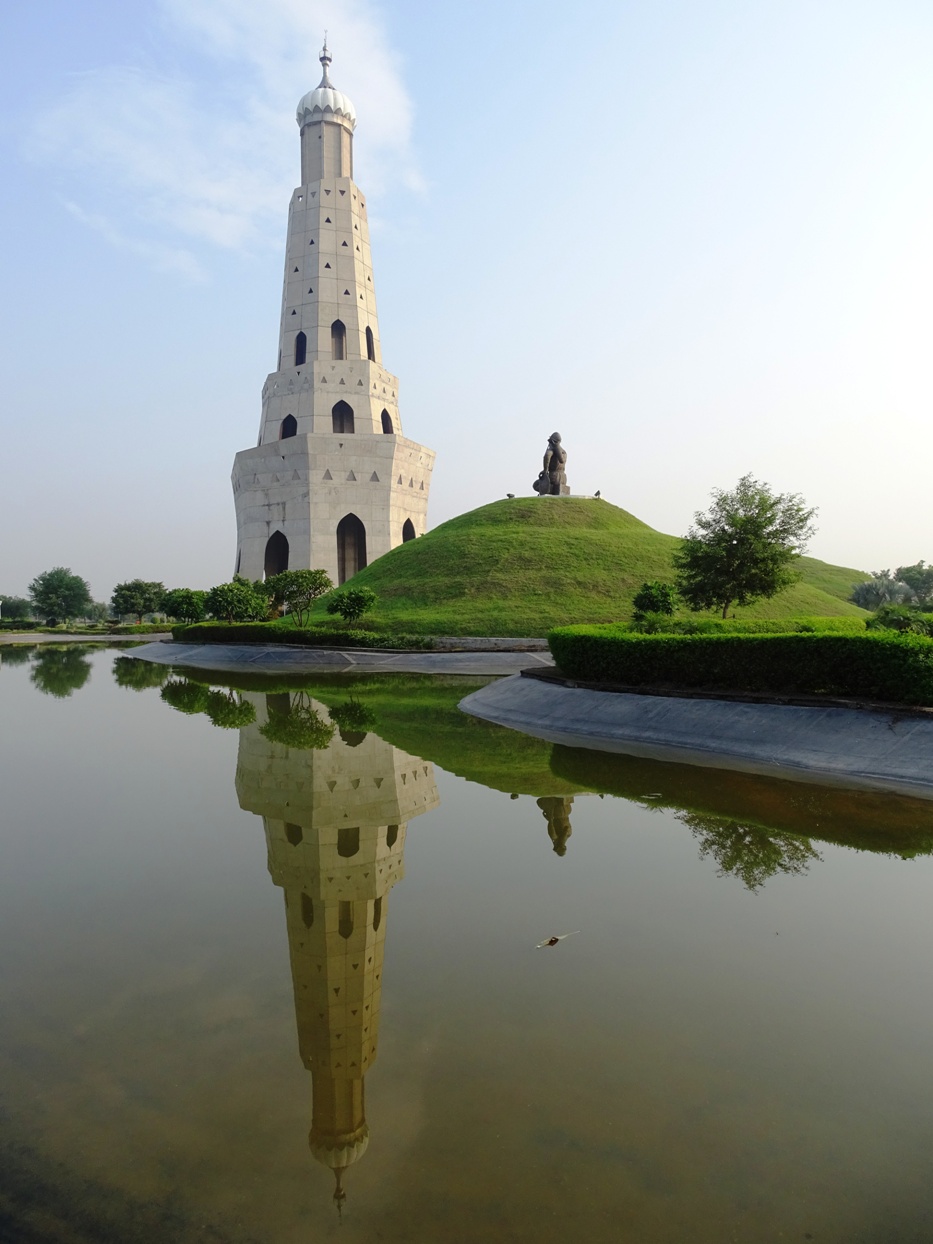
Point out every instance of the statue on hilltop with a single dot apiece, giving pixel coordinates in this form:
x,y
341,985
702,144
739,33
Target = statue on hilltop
x,y
552,481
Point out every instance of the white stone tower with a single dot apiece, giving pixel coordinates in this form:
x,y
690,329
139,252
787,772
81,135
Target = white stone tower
x,y
332,483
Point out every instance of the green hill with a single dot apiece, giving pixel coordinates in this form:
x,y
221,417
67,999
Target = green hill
x,y
518,567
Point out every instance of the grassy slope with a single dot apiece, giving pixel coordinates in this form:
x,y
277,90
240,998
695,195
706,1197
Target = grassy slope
x,y
522,566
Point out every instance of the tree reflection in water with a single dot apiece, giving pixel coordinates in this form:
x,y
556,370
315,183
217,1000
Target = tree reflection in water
x,y
138,675
60,671
749,852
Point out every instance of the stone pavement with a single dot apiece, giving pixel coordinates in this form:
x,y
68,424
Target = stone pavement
x,y
285,659
861,748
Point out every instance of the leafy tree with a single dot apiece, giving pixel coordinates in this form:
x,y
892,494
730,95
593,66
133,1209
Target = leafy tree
x,y
296,591
98,612
744,547
299,726
655,597
228,711
749,852
15,608
882,588
137,597
138,675
60,671
185,604
237,601
58,593
919,578
185,696
352,602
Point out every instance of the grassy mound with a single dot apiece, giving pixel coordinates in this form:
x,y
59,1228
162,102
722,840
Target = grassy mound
x,y
522,566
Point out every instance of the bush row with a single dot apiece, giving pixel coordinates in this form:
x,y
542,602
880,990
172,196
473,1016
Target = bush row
x,y
878,666
277,633
653,623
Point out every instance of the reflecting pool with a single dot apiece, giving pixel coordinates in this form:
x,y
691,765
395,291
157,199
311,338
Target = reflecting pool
x,y
269,972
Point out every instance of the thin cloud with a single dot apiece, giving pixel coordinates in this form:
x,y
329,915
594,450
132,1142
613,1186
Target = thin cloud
x,y
209,156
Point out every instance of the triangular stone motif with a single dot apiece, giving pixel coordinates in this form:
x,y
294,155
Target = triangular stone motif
x,y
359,384
294,313
378,782
353,477
346,291
311,243
342,381
355,782
422,485
327,475
411,483
296,269
327,192
342,193
327,219
400,480
343,243
330,785
374,478
327,265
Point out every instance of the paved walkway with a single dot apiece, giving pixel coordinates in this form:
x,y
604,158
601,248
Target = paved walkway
x,y
841,746
284,659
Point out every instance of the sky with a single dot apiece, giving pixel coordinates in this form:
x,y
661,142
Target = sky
x,y
692,236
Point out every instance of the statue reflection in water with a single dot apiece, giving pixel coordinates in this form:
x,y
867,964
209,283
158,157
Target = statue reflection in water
x,y
335,824
556,811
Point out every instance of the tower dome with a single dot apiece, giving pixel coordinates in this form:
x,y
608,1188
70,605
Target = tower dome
x,y
325,99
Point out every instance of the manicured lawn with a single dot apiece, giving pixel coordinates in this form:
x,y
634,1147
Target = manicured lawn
x,y
523,566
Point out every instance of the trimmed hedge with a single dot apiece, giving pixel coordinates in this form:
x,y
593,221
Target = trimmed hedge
x,y
305,636
756,626
884,666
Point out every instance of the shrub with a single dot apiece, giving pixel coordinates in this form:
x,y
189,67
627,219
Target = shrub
x,y
655,598
281,633
901,618
881,666
654,623
236,602
352,603
185,603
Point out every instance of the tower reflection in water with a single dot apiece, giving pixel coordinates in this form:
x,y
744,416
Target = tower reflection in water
x,y
335,824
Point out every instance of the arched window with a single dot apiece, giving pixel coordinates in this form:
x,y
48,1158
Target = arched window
x,y
301,349
348,841
351,547
307,910
408,531
387,423
289,427
377,914
293,834
391,836
370,345
345,919
343,418
338,339
276,555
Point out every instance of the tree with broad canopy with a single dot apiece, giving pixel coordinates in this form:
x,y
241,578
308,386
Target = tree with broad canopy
x,y
744,547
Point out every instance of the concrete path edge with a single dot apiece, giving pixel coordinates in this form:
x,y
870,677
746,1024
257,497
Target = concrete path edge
x,y
827,745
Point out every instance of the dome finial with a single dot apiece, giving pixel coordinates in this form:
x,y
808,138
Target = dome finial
x,y
325,59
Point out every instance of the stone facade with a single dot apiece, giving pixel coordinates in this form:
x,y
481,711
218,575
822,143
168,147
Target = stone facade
x,y
331,472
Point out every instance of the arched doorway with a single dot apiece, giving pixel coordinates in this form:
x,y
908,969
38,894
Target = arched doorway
x,y
342,415
351,547
387,423
338,339
276,555
370,345
408,531
289,427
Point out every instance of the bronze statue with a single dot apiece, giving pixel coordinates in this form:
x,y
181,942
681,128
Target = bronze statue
x,y
552,481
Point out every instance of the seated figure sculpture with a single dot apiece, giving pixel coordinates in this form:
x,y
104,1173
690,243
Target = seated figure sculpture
x,y
552,481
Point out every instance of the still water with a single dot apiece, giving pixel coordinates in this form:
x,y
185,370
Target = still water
x,y
268,972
